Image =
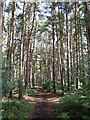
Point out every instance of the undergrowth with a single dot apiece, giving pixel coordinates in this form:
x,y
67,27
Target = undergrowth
x,y
74,106
12,109
49,86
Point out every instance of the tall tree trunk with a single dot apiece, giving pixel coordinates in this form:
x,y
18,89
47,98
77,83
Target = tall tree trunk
x,y
62,54
11,31
27,57
60,50
35,63
40,71
31,53
35,68
1,20
87,18
58,46
17,61
53,35
73,61
82,54
46,58
77,80
68,72
11,41
1,36
43,66
51,77
8,33
21,57
79,48
71,48
24,39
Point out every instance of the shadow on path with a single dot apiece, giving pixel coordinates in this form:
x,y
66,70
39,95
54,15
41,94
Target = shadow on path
x,y
44,105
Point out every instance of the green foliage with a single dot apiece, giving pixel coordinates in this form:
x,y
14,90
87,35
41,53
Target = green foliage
x,y
58,82
7,75
48,86
16,109
64,116
31,91
74,106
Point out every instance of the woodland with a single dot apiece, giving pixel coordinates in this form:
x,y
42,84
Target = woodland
x,y
44,60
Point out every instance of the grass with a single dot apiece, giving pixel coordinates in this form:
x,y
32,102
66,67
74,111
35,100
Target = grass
x,y
12,109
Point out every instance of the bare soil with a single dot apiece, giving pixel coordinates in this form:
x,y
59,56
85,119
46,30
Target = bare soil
x,y
45,104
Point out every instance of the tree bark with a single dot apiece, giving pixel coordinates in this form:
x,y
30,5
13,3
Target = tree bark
x,y
51,77
58,46
53,35
60,50
35,68
40,62
87,18
1,19
1,36
77,80
30,47
71,48
11,41
21,56
68,72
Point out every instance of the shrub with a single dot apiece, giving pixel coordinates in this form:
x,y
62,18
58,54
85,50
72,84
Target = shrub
x,y
48,86
75,106
16,109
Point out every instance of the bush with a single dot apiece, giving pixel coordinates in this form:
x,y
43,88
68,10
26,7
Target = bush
x,y
48,86
31,91
74,106
16,109
64,116
7,75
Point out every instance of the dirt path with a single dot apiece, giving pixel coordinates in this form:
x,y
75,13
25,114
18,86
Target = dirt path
x,y
44,105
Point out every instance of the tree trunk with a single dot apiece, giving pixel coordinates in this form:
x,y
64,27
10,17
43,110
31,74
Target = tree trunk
x,y
87,18
71,48
27,57
11,31
43,66
11,41
82,55
1,20
53,35
40,71
58,46
21,57
77,80
30,40
46,58
1,36
60,50
24,39
51,77
35,68
35,63
68,72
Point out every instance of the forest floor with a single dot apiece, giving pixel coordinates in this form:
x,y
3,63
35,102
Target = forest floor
x,y
45,104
